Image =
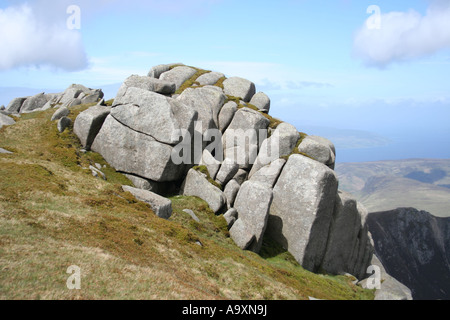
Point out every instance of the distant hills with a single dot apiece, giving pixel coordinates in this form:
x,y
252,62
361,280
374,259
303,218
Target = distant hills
x,y
385,185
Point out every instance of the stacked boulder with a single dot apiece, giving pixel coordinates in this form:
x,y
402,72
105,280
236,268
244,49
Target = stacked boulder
x,y
216,141
74,95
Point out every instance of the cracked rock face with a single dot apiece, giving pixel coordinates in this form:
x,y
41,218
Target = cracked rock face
x,y
285,195
154,115
302,209
132,152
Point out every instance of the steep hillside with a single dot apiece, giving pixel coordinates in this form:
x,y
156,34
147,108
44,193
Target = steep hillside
x,y
385,185
414,247
54,214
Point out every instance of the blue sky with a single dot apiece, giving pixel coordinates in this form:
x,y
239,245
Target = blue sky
x,y
325,64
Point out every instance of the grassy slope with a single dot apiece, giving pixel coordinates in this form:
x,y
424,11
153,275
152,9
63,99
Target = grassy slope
x,y
54,214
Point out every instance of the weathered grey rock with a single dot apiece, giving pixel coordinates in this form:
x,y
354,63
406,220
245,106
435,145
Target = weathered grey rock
x,y
226,115
269,174
261,101
72,103
97,172
161,206
6,121
197,185
281,143
92,97
192,214
207,102
178,75
318,148
61,112
243,155
15,105
145,83
144,184
230,217
63,124
239,87
302,209
3,151
72,92
153,114
76,94
253,204
241,176
241,235
52,103
35,102
241,139
349,248
231,191
88,124
227,171
325,142
157,71
210,78
211,163
129,151
2,107
388,287
161,188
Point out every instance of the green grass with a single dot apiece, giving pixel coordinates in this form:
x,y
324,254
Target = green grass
x,y
55,214
204,170
192,81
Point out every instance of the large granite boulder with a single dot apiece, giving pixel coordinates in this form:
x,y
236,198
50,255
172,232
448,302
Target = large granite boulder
x,y
269,174
208,102
349,248
226,115
153,114
158,70
6,121
211,163
88,124
320,149
146,83
210,78
136,153
161,206
77,94
302,210
15,105
197,185
261,101
281,143
253,204
34,103
242,138
239,87
178,75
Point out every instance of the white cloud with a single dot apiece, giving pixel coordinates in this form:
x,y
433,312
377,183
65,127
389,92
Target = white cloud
x,y
404,36
30,38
